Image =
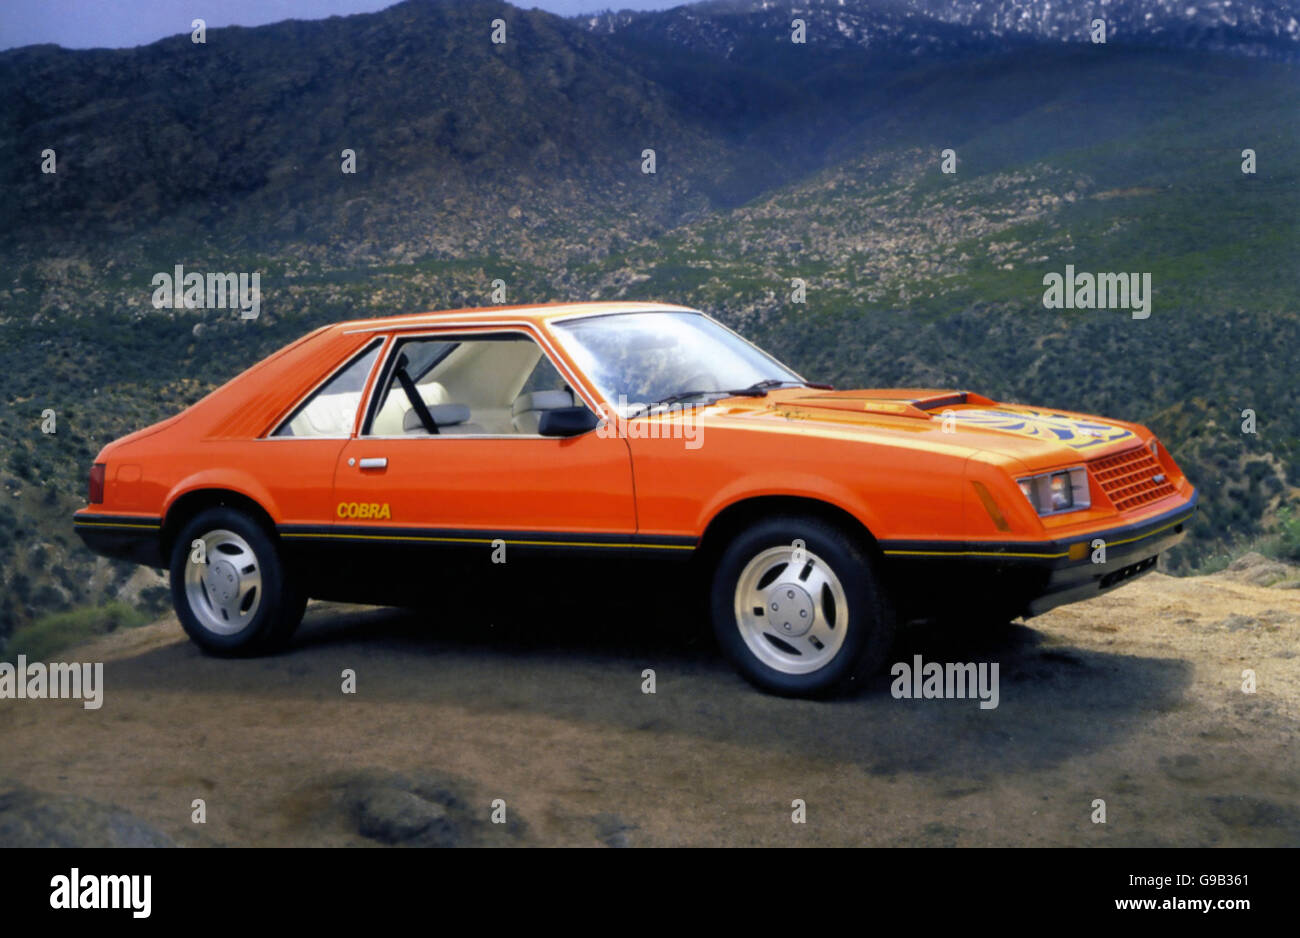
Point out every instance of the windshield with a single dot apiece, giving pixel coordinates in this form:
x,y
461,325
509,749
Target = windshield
x,y
638,359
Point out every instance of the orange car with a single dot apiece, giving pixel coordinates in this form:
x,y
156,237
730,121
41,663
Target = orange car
x,y
388,460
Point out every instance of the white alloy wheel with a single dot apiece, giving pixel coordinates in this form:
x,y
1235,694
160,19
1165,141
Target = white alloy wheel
x,y
791,610
225,592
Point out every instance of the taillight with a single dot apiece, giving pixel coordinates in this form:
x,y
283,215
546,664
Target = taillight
x,y
97,483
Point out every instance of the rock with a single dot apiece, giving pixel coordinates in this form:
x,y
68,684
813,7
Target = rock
x,y
30,818
1239,623
1257,570
392,816
1247,561
1253,812
419,811
141,578
611,830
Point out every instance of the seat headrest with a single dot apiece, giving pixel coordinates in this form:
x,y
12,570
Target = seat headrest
x,y
444,415
541,400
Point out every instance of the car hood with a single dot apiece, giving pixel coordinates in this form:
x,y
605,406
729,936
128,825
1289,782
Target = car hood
x,y
1034,435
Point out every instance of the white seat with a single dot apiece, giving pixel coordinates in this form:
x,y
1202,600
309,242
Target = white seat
x,y
526,414
327,415
450,419
391,419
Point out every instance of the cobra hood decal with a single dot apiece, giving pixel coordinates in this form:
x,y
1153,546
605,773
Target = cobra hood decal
x,y
1074,432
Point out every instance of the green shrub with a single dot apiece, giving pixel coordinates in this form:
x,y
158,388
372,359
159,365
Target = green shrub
x,y
51,634
1288,535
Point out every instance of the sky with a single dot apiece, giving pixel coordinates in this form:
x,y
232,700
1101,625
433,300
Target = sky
x,y
86,24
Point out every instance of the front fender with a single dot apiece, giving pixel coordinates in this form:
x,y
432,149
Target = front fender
x,y
788,485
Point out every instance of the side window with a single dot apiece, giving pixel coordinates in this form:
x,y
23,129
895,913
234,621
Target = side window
x,y
330,411
545,377
417,358
472,385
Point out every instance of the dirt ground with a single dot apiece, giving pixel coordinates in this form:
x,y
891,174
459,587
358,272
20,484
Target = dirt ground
x,y
1134,698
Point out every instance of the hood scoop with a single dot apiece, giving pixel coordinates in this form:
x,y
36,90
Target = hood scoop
x,y
918,405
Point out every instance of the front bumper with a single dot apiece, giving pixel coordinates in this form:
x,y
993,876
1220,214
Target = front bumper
x,y
1018,579
1130,552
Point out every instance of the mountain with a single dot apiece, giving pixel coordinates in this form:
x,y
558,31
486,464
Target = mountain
x,y
732,28
237,142
775,161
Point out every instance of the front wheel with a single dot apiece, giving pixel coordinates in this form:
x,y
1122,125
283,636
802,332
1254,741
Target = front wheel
x,y
230,587
798,609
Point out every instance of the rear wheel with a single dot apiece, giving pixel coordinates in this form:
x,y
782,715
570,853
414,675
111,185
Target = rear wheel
x,y
798,609
230,587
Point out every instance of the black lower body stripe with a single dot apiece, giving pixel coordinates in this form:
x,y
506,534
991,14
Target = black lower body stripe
x,y
401,535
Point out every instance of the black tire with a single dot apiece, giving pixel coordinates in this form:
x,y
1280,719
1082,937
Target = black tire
x,y
870,627
279,608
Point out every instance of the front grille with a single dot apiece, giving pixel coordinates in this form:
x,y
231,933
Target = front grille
x,y
1129,478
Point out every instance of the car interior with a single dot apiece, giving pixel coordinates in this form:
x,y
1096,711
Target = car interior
x,y
489,385
496,385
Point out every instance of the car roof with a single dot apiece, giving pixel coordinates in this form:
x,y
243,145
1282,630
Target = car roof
x,y
536,313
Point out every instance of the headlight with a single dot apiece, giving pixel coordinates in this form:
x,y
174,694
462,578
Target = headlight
x,y
1054,492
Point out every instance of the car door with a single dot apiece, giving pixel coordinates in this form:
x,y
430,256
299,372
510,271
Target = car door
x,y
297,459
486,477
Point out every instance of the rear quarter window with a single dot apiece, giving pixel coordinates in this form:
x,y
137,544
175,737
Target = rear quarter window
x,y
331,410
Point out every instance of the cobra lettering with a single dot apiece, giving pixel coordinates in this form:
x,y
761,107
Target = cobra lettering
x,y
365,511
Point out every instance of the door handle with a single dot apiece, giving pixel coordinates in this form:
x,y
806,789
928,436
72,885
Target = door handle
x,y
375,462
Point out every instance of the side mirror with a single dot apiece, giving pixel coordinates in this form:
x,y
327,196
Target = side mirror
x,y
567,421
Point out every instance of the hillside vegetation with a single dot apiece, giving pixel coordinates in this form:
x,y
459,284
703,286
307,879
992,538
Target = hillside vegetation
x,y
523,162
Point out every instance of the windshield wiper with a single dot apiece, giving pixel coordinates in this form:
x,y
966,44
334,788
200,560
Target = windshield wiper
x,y
757,389
760,388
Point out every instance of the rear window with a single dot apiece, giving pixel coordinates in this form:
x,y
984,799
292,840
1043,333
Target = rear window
x,y
331,411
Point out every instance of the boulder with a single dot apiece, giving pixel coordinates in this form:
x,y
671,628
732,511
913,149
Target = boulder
x,y
31,818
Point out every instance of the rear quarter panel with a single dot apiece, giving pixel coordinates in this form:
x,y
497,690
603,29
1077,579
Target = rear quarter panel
x,y
216,442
